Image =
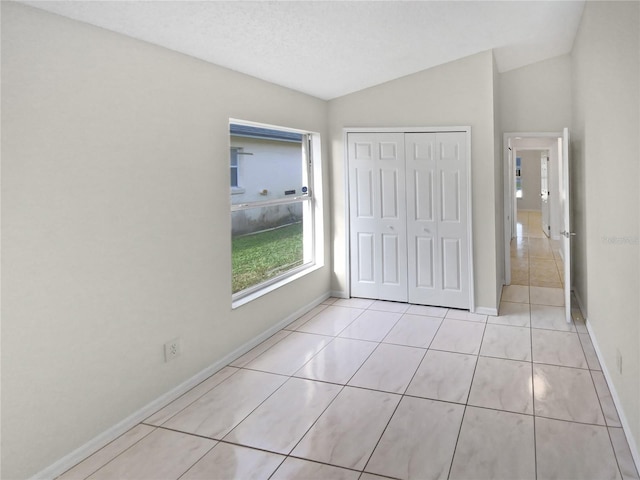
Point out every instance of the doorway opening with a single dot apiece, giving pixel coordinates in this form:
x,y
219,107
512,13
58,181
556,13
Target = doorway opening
x,y
536,213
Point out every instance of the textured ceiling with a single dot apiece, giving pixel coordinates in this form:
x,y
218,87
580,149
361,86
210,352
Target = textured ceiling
x,y
329,49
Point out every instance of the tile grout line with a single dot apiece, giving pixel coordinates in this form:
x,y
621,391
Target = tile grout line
x,y
198,461
143,422
533,401
111,459
309,429
364,388
615,454
464,413
383,432
338,394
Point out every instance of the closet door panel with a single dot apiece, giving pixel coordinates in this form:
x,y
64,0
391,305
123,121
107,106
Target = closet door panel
x,y
377,215
424,248
424,192
365,261
449,196
422,200
391,251
389,193
364,193
451,264
452,226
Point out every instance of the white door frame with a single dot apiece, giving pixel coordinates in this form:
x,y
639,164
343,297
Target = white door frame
x,y
347,224
566,214
545,204
509,210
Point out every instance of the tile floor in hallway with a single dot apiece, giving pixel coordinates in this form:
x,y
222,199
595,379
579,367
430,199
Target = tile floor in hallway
x,y
363,389
535,260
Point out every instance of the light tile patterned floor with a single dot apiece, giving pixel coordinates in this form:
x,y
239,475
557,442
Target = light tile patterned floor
x,y
535,260
363,389
414,397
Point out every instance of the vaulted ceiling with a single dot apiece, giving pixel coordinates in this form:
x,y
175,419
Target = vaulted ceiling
x,y
331,48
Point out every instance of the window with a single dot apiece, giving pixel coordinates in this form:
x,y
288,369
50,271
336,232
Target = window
x,y
518,177
234,167
235,153
273,217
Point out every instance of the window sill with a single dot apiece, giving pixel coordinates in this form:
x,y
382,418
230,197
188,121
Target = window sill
x,y
273,286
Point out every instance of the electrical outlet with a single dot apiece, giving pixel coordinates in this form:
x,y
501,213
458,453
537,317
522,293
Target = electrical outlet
x,y
172,349
619,361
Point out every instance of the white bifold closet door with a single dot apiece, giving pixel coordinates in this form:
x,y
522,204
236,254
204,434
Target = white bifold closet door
x,y
437,237
408,217
378,216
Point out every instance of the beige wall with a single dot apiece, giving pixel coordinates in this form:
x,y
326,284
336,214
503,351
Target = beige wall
x,y
606,149
115,238
537,98
457,94
498,179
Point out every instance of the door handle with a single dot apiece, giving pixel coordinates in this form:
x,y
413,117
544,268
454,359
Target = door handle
x,y
567,234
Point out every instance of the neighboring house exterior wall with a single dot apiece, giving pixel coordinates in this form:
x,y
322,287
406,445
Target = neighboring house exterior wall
x,y
273,168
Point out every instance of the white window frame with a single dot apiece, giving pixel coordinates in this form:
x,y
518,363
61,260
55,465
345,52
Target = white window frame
x,y
313,228
236,189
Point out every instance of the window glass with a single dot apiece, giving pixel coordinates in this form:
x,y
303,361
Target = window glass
x,y
272,219
234,167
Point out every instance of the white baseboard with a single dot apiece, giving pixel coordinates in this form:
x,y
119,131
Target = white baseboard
x,y
487,311
339,294
98,442
626,428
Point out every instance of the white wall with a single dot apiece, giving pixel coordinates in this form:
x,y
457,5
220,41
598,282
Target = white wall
x,y
458,93
498,179
115,238
605,172
531,184
537,98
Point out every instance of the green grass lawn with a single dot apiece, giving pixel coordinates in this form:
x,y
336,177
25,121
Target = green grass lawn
x,y
261,256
